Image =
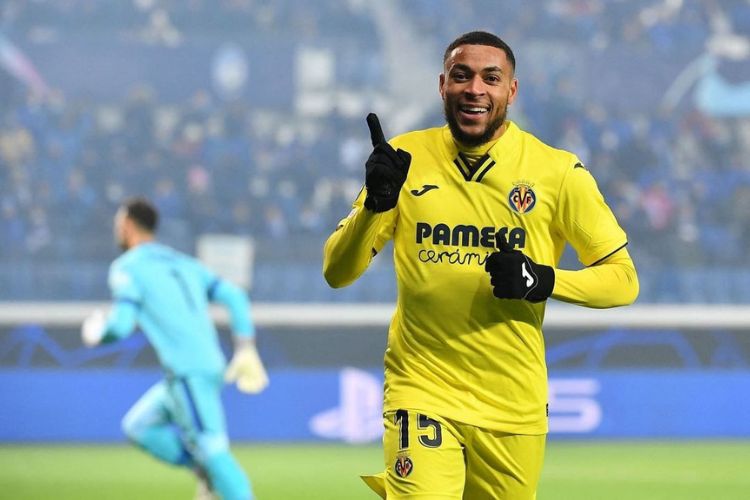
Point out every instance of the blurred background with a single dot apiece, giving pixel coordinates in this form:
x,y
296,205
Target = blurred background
x,y
244,121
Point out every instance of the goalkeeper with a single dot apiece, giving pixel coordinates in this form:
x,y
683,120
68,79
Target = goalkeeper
x,y
180,420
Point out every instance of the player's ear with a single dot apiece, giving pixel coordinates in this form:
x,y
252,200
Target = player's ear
x,y
441,85
513,90
130,226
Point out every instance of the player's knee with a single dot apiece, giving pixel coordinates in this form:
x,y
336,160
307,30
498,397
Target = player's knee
x,y
127,427
131,427
208,445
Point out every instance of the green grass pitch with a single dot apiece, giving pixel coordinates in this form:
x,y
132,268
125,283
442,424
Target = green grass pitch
x,y
572,471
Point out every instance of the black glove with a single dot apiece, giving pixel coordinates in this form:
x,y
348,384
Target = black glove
x,y
515,276
385,170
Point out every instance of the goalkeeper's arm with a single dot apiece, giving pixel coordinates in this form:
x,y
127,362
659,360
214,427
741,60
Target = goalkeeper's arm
x,y
245,367
235,300
102,328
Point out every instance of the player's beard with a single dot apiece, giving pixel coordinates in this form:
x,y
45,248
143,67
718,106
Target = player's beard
x,y
473,140
122,242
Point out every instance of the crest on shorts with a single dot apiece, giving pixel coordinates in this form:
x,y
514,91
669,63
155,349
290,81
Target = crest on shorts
x,y
522,198
403,466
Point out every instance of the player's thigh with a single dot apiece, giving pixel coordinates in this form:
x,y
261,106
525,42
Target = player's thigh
x,y
502,466
151,409
196,406
423,457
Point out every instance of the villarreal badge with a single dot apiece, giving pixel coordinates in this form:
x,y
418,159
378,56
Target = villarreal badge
x,y
403,466
522,197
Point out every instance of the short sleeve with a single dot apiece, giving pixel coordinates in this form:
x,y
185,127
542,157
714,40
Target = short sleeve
x,y
584,218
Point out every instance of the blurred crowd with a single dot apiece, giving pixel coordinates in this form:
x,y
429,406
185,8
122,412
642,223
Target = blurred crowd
x,y
678,177
153,20
67,167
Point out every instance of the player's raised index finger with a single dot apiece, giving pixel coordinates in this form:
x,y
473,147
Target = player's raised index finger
x,y
376,132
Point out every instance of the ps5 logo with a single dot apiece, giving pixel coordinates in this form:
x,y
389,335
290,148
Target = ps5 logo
x,y
573,406
359,416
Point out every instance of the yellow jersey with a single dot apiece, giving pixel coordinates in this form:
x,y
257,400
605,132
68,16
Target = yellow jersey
x,y
454,349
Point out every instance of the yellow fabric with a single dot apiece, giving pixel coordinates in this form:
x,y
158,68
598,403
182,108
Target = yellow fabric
x,y
593,286
453,348
473,155
376,482
451,461
349,250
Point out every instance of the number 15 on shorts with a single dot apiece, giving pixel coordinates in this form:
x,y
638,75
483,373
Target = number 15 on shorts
x,y
422,455
429,433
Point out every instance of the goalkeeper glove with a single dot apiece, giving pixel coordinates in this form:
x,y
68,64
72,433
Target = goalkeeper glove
x,y
246,368
514,275
92,329
385,170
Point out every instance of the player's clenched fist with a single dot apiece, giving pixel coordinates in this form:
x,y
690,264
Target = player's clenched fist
x,y
385,170
513,275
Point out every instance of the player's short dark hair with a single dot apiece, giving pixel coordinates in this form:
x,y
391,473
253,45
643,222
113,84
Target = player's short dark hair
x,y
142,212
481,38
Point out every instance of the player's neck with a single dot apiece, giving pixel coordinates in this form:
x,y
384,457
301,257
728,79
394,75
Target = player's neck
x,y
140,239
476,150
483,148
474,154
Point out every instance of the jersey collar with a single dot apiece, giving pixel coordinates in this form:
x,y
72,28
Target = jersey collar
x,y
504,148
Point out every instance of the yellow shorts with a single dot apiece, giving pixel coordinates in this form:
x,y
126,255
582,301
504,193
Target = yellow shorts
x,y
429,457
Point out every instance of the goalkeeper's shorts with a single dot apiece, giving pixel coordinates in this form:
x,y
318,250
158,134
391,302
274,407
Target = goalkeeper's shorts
x,y
192,404
427,456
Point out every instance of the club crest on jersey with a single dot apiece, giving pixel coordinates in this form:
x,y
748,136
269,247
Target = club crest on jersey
x,y
522,198
403,466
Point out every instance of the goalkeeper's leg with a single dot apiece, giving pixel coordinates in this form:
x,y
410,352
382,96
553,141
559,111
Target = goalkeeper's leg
x,y
200,416
148,424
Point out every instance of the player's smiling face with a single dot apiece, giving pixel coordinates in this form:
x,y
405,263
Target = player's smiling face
x,y
477,87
